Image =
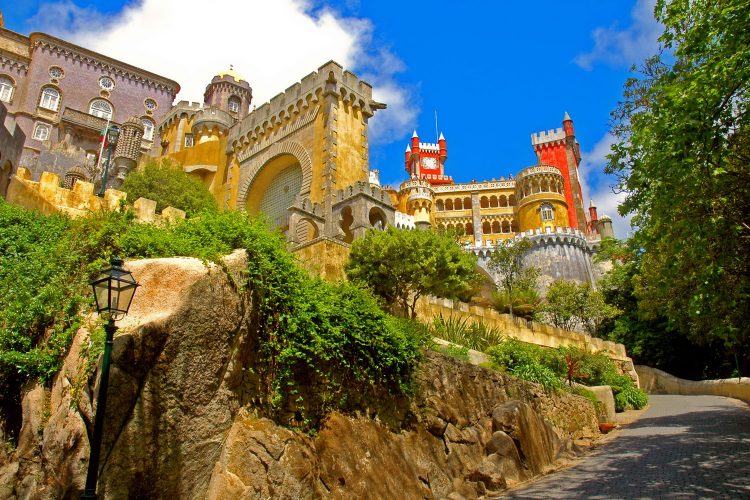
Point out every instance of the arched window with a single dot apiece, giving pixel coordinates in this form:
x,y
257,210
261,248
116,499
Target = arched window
x,y
470,228
503,201
148,129
440,205
449,204
486,228
484,202
512,200
457,204
50,99
100,108
548,213
496,227
41,132
6,89
506,226
493,201
234,104
467,203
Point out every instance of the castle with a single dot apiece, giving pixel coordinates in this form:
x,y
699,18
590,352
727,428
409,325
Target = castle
x,y
301,158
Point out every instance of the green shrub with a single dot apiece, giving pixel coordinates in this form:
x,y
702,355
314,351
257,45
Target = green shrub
x,y
630,398
168,185
511,353
461,331
534,372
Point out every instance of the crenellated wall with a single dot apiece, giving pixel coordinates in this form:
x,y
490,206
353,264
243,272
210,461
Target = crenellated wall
x,y
531,332
48,197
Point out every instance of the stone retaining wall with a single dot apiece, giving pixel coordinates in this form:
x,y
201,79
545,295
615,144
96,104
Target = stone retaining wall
x,y
655,381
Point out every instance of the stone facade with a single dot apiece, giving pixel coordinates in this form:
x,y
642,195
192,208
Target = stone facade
x,y
11,144
62,96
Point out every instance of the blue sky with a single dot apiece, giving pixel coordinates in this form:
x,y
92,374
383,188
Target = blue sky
x,y
494,71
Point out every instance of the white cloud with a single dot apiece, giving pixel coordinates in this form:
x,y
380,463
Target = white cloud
x,y
272,43
627,46
597,186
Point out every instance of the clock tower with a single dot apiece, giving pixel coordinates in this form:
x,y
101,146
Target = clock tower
x,y
425,160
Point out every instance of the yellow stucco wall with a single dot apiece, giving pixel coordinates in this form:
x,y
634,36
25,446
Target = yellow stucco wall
x,y
351,146
529,215
324,258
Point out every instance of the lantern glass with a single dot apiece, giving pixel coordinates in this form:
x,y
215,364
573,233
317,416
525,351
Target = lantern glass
x,y
114,290
112,134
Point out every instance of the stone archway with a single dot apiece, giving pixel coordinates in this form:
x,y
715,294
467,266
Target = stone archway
x,y
260,169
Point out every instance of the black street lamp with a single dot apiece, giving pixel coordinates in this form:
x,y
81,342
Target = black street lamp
x,y
113,132
113,291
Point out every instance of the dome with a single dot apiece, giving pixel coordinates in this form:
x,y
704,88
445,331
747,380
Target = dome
x,y
230,73
605,218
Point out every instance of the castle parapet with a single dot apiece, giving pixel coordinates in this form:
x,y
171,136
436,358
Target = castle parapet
x,y
48,197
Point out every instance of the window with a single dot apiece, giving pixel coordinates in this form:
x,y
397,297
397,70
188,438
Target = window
x,y
50,99
6,89
101,108
150,104
188,140
55,72
106,83
41,132
148,129
234,104
548,213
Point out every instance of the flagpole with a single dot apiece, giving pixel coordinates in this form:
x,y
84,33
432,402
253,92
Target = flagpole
x,y
101,153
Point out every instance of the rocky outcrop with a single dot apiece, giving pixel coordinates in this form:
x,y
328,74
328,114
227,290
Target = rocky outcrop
x,y
181,420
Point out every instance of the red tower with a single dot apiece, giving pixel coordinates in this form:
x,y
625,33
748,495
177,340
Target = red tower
x,y
426,160
560,149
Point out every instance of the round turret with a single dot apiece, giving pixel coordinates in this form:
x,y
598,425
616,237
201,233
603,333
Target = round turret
x,y
541,198
229,92
128,150
604,227
419,195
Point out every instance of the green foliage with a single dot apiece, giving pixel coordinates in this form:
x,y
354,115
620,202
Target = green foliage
x,y
630,398
169,186
569,305
401,266
526,302
581,391
682,155
331,342
515,277
551,367
456,351
461,331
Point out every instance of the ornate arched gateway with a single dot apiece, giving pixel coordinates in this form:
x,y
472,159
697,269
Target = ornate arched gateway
x,y
274,179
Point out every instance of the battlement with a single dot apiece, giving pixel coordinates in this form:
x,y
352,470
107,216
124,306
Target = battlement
x,y
330,78
543,137
48,197
404,221
429,146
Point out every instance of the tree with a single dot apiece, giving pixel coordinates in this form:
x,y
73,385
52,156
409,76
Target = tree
x,y
168,186
683,157
401,266
507,261
569,305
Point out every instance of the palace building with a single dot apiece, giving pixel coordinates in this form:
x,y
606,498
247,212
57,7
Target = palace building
x,y
301,158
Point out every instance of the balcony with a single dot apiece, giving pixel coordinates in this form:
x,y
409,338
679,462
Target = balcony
x,y
85,120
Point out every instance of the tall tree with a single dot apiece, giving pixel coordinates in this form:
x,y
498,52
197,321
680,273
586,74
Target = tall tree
x,y
507,261
683,158
400,266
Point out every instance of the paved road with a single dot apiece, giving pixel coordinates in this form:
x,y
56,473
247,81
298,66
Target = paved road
x,y
681,447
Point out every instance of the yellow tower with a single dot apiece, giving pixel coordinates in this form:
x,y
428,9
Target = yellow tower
x,y
541,199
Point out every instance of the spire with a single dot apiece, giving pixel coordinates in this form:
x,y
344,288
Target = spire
x,y
414,134
408,149
441,137
591,205
567,118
